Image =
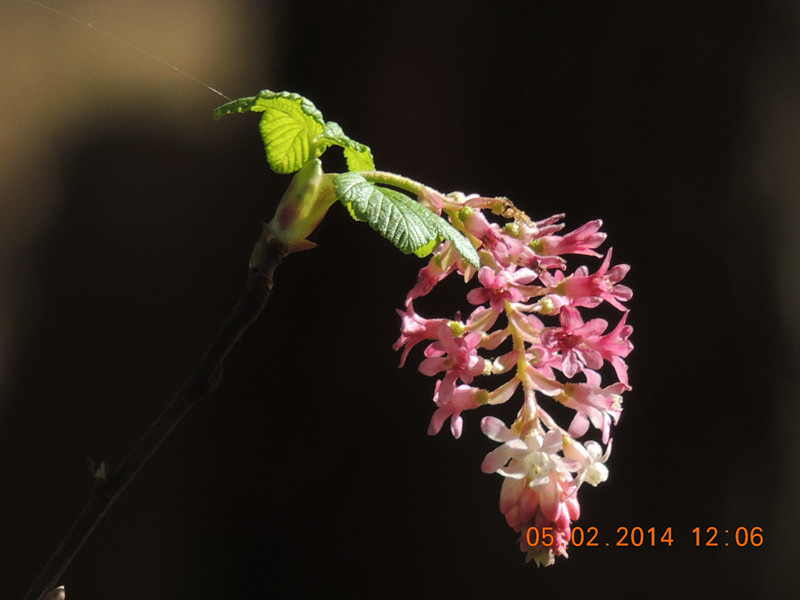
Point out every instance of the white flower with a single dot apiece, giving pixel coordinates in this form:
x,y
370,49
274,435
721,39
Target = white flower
x,y
533,457
591,459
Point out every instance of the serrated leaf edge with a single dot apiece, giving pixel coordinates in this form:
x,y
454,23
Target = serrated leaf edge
x,y
435,229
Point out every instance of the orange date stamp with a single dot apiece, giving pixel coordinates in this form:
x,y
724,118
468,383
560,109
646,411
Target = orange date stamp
x,y
651,537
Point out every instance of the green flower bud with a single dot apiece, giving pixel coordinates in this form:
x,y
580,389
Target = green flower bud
x,y
303,206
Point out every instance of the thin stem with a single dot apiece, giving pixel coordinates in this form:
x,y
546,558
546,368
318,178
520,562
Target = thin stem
x,y
398,181
267,255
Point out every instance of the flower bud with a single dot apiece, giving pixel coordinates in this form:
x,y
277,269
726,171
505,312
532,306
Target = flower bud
x,y
303,206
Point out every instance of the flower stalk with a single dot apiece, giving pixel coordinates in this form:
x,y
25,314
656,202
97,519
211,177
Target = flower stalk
x,y
269,253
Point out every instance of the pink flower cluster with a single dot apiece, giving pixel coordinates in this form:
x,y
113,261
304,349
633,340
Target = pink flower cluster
x,y
528,331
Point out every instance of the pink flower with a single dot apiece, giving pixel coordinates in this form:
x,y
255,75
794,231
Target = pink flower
x,y
615,346
527,326
500,287
463,398
537,490
488,235
580,241
590,290
552,533
456,356
436,270
593,404
574,342
414,329
581,344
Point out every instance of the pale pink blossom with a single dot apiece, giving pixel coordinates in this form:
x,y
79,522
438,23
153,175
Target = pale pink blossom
x,y
593,404
532,457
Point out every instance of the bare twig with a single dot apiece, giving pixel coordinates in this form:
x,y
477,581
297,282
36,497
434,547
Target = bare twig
x,y
267,255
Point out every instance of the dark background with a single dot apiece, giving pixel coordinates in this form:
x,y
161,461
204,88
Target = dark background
x,y
310,471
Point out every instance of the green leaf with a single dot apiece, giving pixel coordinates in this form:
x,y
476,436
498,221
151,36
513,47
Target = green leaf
x,y
359,160
295,132
290,127
234,106
407,224
289,133
460,242
359,156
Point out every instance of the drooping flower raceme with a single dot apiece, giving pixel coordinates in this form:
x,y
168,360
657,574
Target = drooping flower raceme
x,y
530,331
